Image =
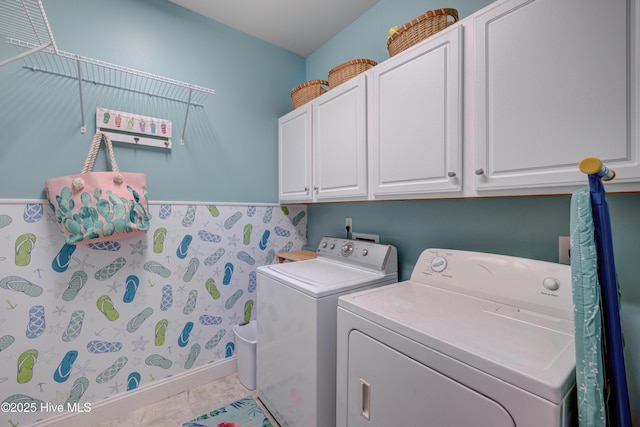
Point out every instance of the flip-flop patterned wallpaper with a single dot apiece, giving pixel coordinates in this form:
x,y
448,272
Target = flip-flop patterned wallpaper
x,y
82,323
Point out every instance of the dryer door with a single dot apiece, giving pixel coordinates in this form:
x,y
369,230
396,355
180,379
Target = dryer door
x,y
387,388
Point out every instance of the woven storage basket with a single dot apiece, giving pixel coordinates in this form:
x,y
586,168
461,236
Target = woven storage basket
x,y
307,91
349,70
420,28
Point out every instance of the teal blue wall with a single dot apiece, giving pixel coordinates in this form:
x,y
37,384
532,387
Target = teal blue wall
x,y
231,143
527,227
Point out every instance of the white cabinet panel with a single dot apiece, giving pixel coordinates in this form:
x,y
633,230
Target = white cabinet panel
x,y
554,84
340,141
295,155
415,119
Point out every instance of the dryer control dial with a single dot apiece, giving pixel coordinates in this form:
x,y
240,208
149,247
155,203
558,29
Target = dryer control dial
x,y
438,264
347,249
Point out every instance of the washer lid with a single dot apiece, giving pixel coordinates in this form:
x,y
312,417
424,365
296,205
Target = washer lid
x,y
319,278
532,351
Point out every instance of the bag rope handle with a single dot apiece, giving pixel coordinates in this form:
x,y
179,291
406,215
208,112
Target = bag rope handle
x,y
93,153
78,183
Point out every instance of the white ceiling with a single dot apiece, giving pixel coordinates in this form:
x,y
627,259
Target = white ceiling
x,y
300,26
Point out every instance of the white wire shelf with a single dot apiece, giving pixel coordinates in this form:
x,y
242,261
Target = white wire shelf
x,y
25,24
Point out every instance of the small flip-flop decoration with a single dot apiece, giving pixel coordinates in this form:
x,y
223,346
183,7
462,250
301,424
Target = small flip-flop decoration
x,y
160,331
156,267
193,355
33,212
61,261
216,339
99,347
167,298
194,264
78,280
228,272
137,320
78,389
212,259
210,285
133,381
183,340
183,249
253,282
229,349
108,271
19,284
191,302
231,221
37,323
131,287
26,363
24,246
74,327
231,301
63,372
105,305
189,217
158,239
112,370
159,361
207,319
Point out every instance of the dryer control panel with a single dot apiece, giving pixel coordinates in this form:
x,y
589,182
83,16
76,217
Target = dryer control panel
x,y
536,286
364,254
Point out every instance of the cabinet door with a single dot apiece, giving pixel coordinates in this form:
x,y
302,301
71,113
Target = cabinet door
x,y
416,120
294,155
340,153
556,82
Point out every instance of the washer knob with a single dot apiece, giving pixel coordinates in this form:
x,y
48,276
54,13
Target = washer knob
x,y
324,244
331,246
438,264
551,283
347,249
365,252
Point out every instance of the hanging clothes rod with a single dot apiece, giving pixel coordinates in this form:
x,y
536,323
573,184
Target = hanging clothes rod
x,y
594,166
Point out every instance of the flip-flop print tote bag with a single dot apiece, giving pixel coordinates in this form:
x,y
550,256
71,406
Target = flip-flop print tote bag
x,y
99,206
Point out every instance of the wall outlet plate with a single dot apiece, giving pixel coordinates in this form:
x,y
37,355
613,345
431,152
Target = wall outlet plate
x,y
564,250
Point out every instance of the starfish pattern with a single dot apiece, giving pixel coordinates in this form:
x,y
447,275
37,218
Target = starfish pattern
x,y
139,344
138,248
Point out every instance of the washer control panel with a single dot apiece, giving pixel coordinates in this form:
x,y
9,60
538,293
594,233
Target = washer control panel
x,y
520,282
366,254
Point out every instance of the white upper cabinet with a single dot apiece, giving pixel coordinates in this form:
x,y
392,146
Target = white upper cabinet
x,y
323,147
340,142
555,81
415,119
295,150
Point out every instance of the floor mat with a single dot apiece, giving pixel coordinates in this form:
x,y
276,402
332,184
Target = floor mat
x,y
241,413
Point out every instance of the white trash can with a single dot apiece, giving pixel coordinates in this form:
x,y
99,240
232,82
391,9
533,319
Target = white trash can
x,y
246,337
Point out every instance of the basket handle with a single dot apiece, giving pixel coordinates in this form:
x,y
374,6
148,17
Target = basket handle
x,y
452,13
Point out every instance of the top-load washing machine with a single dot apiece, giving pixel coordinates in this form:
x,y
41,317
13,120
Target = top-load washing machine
x,y
471,340
296,319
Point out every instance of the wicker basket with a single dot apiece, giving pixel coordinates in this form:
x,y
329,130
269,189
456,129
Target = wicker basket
x,y
420,28
348,70
307,91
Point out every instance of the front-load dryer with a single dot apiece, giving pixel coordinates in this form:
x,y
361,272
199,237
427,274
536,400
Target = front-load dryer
x,y
471,340
296,321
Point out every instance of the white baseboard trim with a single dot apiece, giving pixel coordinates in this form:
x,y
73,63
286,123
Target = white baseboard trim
x,y
124,403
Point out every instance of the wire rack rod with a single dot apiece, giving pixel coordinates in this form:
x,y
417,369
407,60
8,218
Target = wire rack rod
x,y
115,76
26,20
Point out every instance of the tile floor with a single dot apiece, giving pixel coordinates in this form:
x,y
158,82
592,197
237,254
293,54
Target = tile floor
x,y
183,407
